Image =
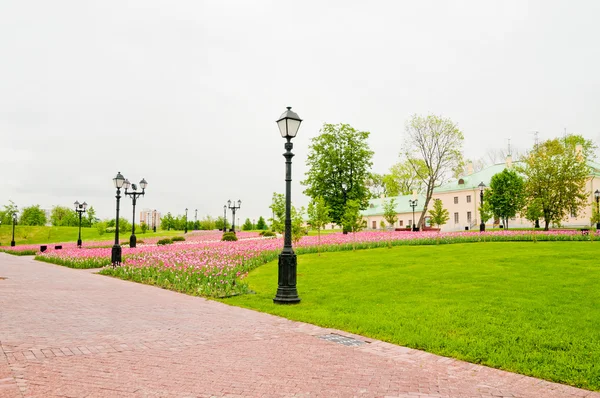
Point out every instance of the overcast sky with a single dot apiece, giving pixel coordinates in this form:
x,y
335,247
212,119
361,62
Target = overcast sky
x,y
186,93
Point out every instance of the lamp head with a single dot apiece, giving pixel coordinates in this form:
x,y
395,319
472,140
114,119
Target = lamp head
x,y
289,123
119,180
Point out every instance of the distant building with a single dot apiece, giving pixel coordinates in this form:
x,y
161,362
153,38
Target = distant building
x,y
151,217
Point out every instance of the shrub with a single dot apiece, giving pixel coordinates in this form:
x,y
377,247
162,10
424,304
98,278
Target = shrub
x,y
178,239
165,241
268,234
229,236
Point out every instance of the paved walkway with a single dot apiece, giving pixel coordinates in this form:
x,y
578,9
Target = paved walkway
x,y
71,333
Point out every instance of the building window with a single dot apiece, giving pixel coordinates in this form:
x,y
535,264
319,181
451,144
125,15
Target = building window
x,y
374,224
469,216
456,200
455,218
468,198
401,223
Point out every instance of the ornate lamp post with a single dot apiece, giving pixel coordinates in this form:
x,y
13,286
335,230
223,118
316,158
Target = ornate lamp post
x,y
14,218
413,203
80,209
118,181
134,195
288,124
185,227
597,196
224,218
233,209
481,189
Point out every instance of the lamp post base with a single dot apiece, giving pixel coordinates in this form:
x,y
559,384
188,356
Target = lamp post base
x,y
286,290
598,226
116,255
79,243
132,241
12,243
481,227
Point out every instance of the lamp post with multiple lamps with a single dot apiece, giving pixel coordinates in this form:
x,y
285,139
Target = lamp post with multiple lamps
x,y
185,227
134,195
14,219
413,203
481,189
118,182
597,196
80,209
233,209
288,124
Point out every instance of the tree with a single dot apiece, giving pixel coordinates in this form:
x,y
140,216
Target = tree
x,y
208,223
167,222
588,148
61,216
506,195
352,220
247,226
376,185
389,212
278,209
533,212
318,217
261,224
485,210
556,176
298,230
91,216
220,222
438,143
403,179
143,227
33,215
6,216
439,215
339,161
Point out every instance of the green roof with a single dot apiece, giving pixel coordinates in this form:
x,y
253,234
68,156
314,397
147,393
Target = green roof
x,y
472,181
375,207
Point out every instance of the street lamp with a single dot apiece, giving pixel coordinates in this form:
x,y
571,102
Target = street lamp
x,y
80,209
154,221
195,218
481,188
185,227
224,218
233,209
118,181
597,196
134,195
288,124
12,242
413,203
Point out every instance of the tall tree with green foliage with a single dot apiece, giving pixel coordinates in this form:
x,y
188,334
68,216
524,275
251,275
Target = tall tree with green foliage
x,y
437,142
402,178
389,212
278,210
352,220
318,217
220,222
91,217
62,216
506,195
376,185
247,226
297,218
438,215
7,214
33,215
167,222
261,224
339,162
555,175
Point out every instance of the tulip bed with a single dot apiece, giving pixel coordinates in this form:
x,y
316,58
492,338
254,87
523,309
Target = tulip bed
x,y
203,265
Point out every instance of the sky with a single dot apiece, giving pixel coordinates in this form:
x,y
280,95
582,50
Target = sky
x,y
186,93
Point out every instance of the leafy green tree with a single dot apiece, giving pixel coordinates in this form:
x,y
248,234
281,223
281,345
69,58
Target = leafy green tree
x,y
143,227
439,215
403,179
278,209
33,215
506,195
339,161
261,224
437,142
219,222
588,148
375,184
7,214
297,218
62,216
91,216
389,211
556,176
318,217
352,220
247,226
167,222
533,212
101,227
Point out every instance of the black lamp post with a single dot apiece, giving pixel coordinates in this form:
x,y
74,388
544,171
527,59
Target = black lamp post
x,y
288,124
195,218
118,181
224,218
413,203
154,221
185,227
597,196
481,188
134,195
12,242
233,209
80,209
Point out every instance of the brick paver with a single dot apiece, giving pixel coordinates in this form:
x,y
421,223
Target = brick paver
x,y
71,333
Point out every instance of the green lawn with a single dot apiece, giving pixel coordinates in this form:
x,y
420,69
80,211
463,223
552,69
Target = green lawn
x,y
532,308
25,235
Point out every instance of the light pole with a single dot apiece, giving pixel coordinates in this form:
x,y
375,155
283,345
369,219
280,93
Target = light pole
x,y
233,209
195,218
12,242
481,188
288,124
185,227
224,218
134,195
413,203
118,181
80,209
154,221
597,196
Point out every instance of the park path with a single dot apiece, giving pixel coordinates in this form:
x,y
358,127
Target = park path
x,y
72,333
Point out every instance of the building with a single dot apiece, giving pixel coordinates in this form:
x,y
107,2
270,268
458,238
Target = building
x,y
151,217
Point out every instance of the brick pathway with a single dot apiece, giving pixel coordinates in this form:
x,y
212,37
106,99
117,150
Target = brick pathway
x,y
71,333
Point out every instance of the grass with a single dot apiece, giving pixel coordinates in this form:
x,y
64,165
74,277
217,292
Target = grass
x,y
527,308
26,235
